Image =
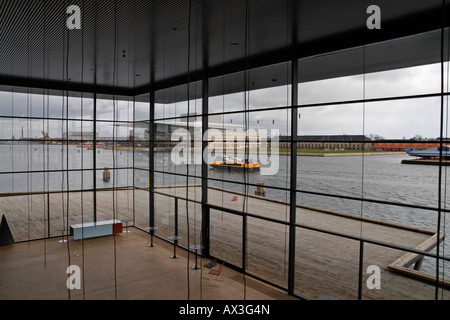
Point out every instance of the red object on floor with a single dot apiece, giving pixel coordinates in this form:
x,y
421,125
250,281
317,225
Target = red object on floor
x,y
234,198
117,227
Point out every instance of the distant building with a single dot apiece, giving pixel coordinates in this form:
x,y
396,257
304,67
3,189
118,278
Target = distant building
x,y
78,135
329,142
388,146
163,134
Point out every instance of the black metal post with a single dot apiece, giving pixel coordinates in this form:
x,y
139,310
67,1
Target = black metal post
x,y
48,215
175,237
361,263
94,159
151,162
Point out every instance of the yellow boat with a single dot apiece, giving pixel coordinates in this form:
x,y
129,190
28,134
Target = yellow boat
x,y
234,165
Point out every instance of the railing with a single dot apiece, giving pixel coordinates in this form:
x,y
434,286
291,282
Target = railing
x,y
363,242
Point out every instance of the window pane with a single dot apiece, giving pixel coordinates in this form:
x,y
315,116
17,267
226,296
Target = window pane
x,y
267,250
226,237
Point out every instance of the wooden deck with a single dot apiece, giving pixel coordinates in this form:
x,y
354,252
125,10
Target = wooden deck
x,y
326,265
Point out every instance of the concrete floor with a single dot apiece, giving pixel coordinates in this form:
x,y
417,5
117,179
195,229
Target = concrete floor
x,y
119,267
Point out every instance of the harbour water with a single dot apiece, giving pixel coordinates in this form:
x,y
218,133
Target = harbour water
x,y
377,178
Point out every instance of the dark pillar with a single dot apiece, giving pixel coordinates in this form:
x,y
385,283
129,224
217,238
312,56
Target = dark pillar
x,y
151,162
94,160
6,237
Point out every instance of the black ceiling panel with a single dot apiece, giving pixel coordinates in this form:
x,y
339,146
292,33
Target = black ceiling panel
x,y
130,47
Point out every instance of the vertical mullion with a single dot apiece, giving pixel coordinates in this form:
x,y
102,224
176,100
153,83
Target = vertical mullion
x,y
94,139
151,162
438,227
94,160
151,132
134,163
205,123
293,182
292,24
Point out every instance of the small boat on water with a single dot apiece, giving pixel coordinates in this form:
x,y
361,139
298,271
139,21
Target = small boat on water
x,y
235,164
432,153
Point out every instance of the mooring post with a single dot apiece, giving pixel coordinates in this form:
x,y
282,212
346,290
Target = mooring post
x,y
106,174
260,190
418,264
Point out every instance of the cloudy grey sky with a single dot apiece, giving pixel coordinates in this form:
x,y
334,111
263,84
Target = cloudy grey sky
x,y
389,119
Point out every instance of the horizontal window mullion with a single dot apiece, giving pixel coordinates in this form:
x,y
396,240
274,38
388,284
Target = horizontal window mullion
x,y
311,105
374,242
26,193
334,233
400,204
64,170
65,119
315,193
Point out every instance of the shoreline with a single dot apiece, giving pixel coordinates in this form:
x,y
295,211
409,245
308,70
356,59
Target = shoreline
x,y
302,154
345,154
